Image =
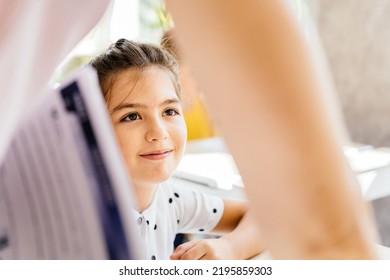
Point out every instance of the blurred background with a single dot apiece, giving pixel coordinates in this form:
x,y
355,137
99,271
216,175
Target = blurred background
x,y
349,40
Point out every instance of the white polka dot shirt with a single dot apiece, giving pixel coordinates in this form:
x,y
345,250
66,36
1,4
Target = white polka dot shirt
x,y
175,210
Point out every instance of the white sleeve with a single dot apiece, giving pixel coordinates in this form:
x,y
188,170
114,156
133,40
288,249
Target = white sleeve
x,y
196,212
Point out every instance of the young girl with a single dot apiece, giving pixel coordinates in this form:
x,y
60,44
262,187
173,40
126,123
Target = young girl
x,y
141,87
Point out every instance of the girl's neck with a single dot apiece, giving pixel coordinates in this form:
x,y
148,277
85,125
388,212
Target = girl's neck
x,y
144,194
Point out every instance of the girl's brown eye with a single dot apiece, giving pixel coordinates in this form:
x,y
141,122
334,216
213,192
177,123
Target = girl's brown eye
x,y
131,117
170,112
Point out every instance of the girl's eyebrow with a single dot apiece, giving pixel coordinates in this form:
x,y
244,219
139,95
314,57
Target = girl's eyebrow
x,y
126,105
170,101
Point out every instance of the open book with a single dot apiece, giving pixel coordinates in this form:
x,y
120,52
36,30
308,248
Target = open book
x,y
64,191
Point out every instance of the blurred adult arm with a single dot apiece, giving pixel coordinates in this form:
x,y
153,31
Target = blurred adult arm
x,y
262,89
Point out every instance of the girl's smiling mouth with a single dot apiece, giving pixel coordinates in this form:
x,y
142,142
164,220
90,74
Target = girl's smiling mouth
x,y
157,155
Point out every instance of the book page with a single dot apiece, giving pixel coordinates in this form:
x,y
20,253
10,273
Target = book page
x,y
58,197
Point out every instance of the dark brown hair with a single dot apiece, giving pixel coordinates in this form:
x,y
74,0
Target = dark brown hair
x,y
124,55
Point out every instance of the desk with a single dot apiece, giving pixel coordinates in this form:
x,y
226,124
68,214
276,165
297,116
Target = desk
x,y
374,182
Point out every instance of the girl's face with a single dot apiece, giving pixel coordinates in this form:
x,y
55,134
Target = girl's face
x,y
149,124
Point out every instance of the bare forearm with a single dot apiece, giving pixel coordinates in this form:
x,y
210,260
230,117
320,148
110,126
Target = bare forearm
x,y
305,197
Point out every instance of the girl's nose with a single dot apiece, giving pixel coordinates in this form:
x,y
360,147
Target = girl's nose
x,y
156,131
